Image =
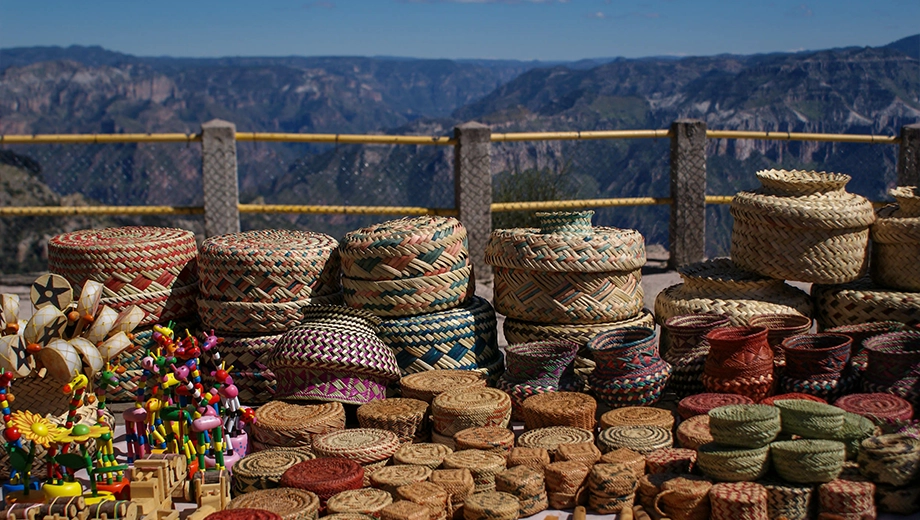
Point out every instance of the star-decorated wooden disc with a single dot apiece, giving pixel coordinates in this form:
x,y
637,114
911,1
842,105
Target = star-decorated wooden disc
x,y
52,289
14,356
60,358
46,324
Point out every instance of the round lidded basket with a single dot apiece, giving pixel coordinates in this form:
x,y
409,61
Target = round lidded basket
x,y
367,501
641,439
792,395
462,408
718,286
410,296
633,460
596,269
700,404
738,501
533,458
283,424
847,498
744,425
892,458
896,242
483,465
863,301
809,419
389,478
733,464
493,505
407,418
694,432
559,409
324,476
288,503
487,438
637,416
879,407
432,496
263,469
551,437
788,500
362,445
808,461
425,386
430,455
802,225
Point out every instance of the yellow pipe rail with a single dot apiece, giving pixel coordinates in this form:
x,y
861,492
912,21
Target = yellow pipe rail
x,y
575,136
795,136
98,138
344,138
346,210
59,211
576,204
719,199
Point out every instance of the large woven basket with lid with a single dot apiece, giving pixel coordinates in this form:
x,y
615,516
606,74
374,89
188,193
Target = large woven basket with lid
x,y
802,225
863,301
566,271
896,242
718,286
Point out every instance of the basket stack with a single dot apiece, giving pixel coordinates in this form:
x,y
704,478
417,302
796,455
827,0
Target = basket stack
x,y
684,345
629,370
334,356
461,408
537,368
896,242
718,286
892,462
425,386
802,225
817,364
407,418
567,280
740,362
153,268
742,435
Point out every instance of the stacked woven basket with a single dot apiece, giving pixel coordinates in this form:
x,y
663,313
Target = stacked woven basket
x,y
415,274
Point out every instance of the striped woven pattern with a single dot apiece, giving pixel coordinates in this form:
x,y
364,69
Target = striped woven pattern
x,y
430,455
559,409
368,501
407,418
611,488
425,386
641,439
809,419
744,425
633,460
896,243
683,344
694,432
738,501
892,458
862,301
733,464
126,260
808,461
849,499
788,500
717,286
244,355
288,503
517,331
492,505
637,416
701,404
325,477
268,266
178,303
463,408
362,445
802,226
826,387
639,390
671,460
283,424
462,338
483,465
520,392
551,437
405,248
410,296
263,469
389,478
258,318
879,407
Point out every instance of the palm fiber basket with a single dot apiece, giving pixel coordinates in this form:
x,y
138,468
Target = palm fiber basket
x,y
896,242
863,301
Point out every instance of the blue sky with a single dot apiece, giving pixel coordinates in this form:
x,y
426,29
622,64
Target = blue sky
x,y
507,29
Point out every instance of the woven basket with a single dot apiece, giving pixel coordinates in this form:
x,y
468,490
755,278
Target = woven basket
x,y
463,408
334,356
533,458
859,333
550,438
491,506
559,409
540,363
788,500
671,460
611,488
525,484
268,266
263,469
367,501
362,445
483,465
520,392
282,424
881,407
896,242
258,318
463,338
791,395
897,500
683,498
780,327
244,355
637,416
517,331
694,432
855,429
847,498
243,514
425,386
407,418
733,465
738,501
584,452
894,364
740,361
892,458
809,419
410,296
641,439
717,286
432,496
811,355
802,226
643,388
862,302
404,510
430,455
564,480
176,304
487,438
808,461
684,335
567,272
633,460
288,503
459,485
700,404
649,487
325,477
389,478
744,425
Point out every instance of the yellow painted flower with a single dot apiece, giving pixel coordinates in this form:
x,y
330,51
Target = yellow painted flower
x,y
80,433
33,427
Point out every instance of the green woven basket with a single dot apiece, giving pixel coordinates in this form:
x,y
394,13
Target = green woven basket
x,y
810,419
744,425
855,429
731,464
808,461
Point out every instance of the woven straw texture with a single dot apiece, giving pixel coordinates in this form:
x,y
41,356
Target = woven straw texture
x,y
894,364
289,503
525,484
738,501
487,438
348,516
405,248
649,487
540,363
897,500
564,481
425,386
533,458
268,266
671,460
463,408
694,432
744,425
461,338
880,407
517,331
491,506
633,460
733,464
550,438
809,419
258,318
892,459
780,327
483,465
717,286
334,356
700,404
860,333
389,478
520,392
816,355
642,439
410,296
612,488
263,469
896,244
243,514
861,302
362,445
407,418
325,477
559,409
244,355
432,496
855,429
808,461
367,501
176,304
802,226
683,344
740,361
282,424
404,510
430,455
848,499
792,395
683,498
457,482
788,500
637,416
584,452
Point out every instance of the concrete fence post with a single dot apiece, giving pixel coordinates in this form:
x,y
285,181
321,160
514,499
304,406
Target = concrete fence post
x,y
220,181
909,156
473,190
688,192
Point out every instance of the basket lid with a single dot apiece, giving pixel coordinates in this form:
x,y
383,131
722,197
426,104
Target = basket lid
x,y
801,182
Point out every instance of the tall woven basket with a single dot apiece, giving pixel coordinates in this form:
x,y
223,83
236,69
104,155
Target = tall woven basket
x,y
896,242
802,225
567,272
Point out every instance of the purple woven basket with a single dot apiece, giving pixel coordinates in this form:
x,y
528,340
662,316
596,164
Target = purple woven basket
x,y
779,328
539,363
893,358
640,389
334,356
860,333
811,355
630,351
684,334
